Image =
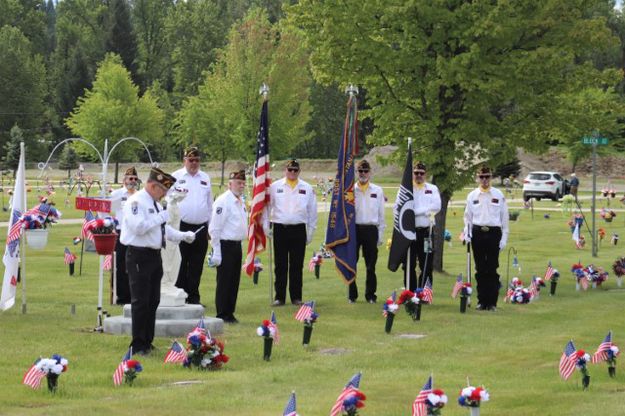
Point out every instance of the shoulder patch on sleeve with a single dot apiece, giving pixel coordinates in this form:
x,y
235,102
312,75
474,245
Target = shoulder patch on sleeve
x,y
218,210
135,207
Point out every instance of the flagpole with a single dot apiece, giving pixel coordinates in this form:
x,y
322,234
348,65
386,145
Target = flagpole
x,y
23,246
264,91
408,269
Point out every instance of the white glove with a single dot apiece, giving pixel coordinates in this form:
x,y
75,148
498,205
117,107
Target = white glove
x,y
164,216
502,244
188,236
216,257
380,242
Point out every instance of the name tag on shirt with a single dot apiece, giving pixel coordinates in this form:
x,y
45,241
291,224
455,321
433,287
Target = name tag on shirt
x,y
475,202
124,198
181,181
428,191
151,210
494,201
203,183
279,190
302,191
374,195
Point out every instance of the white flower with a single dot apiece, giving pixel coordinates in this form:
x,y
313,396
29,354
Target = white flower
x,y
64,362
466,392
586,357
205,362
614,349
260,331
392,307
469,290
484,396
272,331
414,299
436,399
443,398
57,369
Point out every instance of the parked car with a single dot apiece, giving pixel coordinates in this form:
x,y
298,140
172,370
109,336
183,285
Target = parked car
x,y
544,185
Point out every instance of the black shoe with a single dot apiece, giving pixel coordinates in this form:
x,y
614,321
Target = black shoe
x,y
480,307
277,303
351,300
371,301
231,320
493,309
296,302
142,353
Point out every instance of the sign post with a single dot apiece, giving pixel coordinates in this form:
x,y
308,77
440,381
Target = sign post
x,y
594,141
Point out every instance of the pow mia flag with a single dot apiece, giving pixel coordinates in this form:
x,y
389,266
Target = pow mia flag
x,y
404,218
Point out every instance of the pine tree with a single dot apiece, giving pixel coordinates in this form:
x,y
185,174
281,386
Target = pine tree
x,y
12,149
121,38
68,160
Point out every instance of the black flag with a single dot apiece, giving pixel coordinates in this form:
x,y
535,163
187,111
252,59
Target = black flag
x,y
404,218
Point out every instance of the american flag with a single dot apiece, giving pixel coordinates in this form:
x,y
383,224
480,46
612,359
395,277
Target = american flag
x,y
305,310
108,262
33,376
419,408
290,409
16,227
457,287
509,294
273,323
549,272
201,327
350,388
584,282
118,375
260,197
533,288
69,256
90,219
602,352
567,361
428,294
176,353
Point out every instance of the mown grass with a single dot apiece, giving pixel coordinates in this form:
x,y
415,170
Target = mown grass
x,y
513,352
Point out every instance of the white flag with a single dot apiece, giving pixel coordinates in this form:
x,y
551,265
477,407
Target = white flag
x,y
11,258
576,233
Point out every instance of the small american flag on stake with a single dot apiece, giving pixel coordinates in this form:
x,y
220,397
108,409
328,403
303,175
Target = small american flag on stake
x,y
33,376
304,311
350,388
568,361
69,257
16,227
549,272
457,287
176,353
273,323
90,220
419,408
118,375
602,352
428,294
290,409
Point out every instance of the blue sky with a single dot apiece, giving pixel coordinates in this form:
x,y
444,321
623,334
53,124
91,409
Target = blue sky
x,y
619,4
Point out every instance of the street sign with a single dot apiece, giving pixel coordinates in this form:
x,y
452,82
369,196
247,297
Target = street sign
x,y
93,204
595,140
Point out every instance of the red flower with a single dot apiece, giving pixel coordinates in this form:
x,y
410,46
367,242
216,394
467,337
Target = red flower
x,y
580,353
405,295
266,322
475,394
361,395
438,392
221,358
132,363
389,301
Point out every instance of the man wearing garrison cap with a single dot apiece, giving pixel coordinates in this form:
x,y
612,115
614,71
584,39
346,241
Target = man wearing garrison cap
x,y
144,231
486,228
228,228
195,213
369,228
118,200
292,210
427,203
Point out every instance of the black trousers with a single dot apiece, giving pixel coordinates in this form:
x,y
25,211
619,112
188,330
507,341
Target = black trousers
x,y
485,245
145,271
367,238
417,252
192,263
289,245
123,285
228,278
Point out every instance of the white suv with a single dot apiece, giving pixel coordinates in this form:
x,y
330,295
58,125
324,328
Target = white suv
x,y
543,185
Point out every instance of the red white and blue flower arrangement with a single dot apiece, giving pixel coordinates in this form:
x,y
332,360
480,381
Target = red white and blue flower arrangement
x,y
588,274
268,330
435,401
131,369
353,402
516,293
389,308
50,368
411,302
315,263
203,351
582,359
106,225
473,397
40,216
607,351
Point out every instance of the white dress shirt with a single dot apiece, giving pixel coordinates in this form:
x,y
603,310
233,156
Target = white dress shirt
x,y
197,207
370,206
229,220
487,208
427,201
118,200
292,205
142,223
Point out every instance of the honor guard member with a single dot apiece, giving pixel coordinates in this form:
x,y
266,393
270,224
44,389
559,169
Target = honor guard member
x,y
427,203
486,228
293,212
227,229
118,200
369,228
195,213
144,231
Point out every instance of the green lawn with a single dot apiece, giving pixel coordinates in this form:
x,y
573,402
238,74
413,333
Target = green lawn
x,y
513,352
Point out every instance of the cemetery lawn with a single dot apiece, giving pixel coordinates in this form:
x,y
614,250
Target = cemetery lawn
x,y
513,352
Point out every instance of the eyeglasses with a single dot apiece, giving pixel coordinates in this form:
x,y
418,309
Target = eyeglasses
x,y
363,171
484,176
193,159
132,178
293,169
418,173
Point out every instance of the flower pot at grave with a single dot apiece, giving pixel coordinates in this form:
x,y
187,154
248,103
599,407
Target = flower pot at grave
x,y
37,239
317,267
53,382
463,304
268,344
612,371
475,411
255,278
104,243
307,334
585,382
552,289
608,219
389,322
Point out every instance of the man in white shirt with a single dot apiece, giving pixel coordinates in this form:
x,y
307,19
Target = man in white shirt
x,y
369,228
195,213
118,200
486,228
228,228
427,203
144,232
293,212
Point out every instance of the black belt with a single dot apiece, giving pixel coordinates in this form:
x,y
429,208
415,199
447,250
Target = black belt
x,y
486,228
289,225
188,224
422,228
147,249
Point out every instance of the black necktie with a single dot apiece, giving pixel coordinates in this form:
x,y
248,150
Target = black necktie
x,y
162,227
